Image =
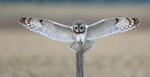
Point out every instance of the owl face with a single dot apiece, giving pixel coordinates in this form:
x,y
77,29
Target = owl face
x,y
79,27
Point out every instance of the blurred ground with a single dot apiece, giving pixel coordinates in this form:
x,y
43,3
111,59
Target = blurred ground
x,y
26,54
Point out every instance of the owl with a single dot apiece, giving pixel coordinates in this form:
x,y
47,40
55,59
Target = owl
x,y
79,34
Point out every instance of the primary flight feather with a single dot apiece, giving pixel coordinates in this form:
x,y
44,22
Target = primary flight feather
x,y
79,33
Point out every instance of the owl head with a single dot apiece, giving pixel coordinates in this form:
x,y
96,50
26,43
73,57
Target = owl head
x,y
79,27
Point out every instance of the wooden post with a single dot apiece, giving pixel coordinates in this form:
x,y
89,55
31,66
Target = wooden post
x,y
79,64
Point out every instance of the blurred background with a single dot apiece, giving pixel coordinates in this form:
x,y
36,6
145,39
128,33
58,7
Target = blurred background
x,y
26,54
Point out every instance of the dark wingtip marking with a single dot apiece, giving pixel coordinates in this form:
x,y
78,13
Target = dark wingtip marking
x,y
136,21
129,21
29,20
22,19
117,20
41,21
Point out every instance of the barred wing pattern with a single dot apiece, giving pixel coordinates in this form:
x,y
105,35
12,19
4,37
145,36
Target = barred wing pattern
x,y
111,26
50,29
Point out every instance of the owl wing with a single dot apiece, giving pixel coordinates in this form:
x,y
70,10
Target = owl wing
x,y
50,29
111,26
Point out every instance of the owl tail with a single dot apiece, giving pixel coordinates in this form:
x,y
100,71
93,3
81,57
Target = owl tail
x,y
75,46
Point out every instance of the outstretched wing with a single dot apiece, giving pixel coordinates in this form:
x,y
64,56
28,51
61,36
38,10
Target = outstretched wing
x,y
50,29
111,26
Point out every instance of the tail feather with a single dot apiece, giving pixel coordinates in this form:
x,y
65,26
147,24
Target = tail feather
x,y
75,47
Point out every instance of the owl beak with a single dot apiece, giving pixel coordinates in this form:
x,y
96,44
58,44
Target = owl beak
x,y
79,28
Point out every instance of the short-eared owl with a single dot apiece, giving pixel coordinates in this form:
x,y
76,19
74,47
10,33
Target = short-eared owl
x,y
79,33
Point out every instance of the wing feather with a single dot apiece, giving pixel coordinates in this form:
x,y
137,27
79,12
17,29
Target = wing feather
x,y
111,26
50,29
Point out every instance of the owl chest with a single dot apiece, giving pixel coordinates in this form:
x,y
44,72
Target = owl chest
x,y
80,37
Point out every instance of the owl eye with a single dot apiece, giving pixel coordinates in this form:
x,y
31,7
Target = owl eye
x,y
76,27
81,27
